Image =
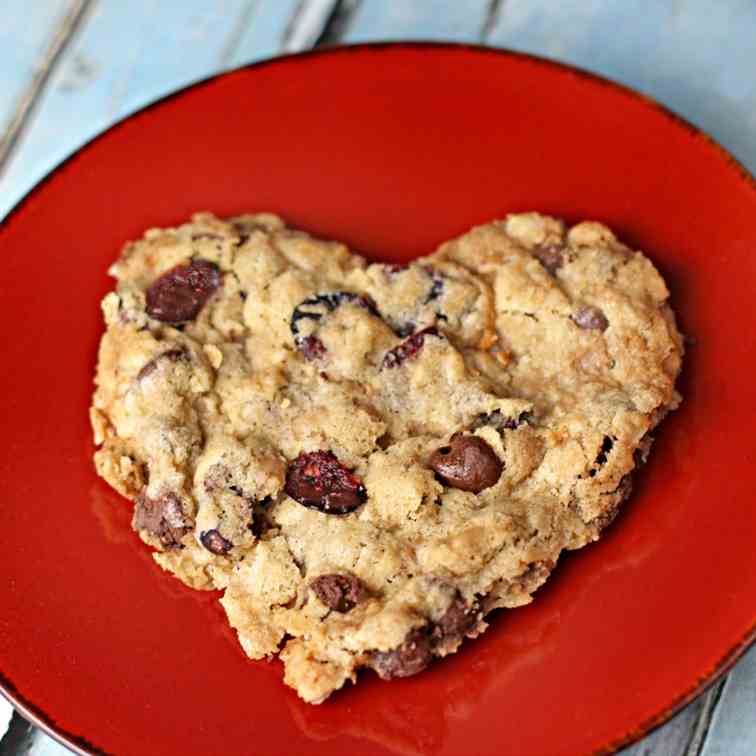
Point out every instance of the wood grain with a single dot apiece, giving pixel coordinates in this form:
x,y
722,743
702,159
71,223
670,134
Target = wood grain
x,y
24,38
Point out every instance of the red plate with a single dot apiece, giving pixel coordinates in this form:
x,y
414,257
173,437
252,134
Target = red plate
x,y
392,149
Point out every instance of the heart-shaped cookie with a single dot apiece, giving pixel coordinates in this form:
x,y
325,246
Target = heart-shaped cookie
x,y
369,458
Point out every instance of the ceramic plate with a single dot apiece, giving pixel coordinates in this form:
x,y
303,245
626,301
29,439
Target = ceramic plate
x,y
393,149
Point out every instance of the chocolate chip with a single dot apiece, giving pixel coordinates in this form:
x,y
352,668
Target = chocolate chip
x,y
590,319
172,355
179,295
213,541
339,592
318,480
550,256
457,620
413,656
408,349
259,523
468,463
163,517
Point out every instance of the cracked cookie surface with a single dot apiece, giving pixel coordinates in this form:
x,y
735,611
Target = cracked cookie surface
x,y
367,458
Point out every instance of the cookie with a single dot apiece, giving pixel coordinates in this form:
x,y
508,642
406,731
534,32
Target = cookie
x,y
367,458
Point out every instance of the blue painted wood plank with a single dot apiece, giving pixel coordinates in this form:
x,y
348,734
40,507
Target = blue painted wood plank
x,y
733,728
25,33
127,54
697,57
429,19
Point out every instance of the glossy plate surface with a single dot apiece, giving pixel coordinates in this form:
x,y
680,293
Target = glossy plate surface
x,y
391,149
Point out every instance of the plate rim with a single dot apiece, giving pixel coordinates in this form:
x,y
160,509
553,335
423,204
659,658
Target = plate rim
x,y
79,744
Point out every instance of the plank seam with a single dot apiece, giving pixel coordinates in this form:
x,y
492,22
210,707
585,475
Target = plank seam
x,y
493,14
29,98
338,23
703,723
307,24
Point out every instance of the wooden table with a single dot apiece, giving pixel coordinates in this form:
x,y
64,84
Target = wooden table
x,y
70,68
